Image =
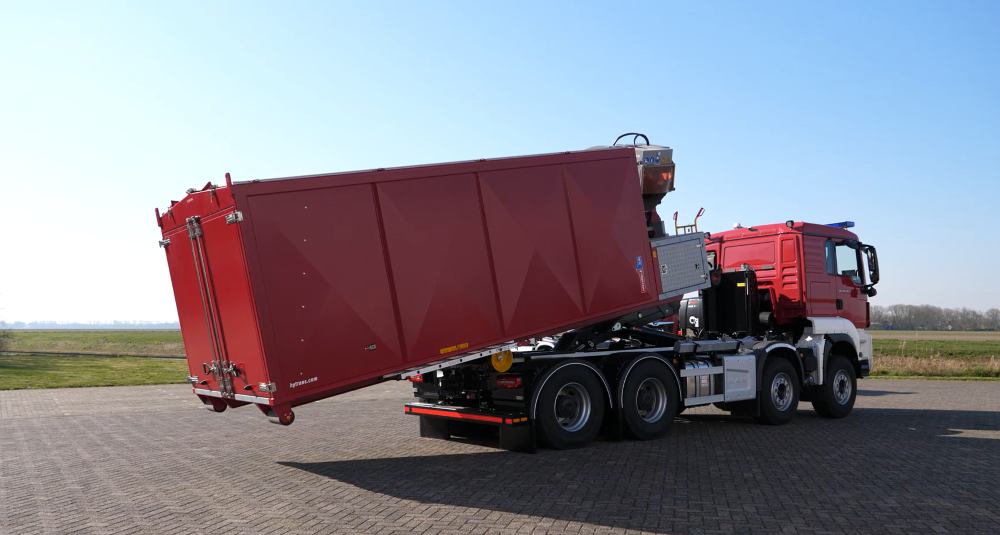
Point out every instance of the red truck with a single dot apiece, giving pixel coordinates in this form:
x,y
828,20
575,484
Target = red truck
x,y
296,289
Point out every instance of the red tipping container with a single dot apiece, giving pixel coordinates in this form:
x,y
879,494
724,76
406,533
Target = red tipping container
x,y
292,290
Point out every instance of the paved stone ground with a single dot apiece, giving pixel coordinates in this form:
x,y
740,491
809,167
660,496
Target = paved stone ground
x,y
915,457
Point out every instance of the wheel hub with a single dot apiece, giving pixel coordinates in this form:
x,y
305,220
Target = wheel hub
x,y
651,400
781,391
572,407
841,387
645,400
566,407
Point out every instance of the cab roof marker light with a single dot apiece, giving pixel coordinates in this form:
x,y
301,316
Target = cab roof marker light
x,y
842,224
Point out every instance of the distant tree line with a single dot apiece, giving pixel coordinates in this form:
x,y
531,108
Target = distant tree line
x,y
5,336
93,325
932,318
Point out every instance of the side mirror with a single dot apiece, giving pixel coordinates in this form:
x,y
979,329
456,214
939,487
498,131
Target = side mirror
x,y
872,257
871,291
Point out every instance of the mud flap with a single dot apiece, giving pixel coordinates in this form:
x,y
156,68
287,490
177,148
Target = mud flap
x,y
519,438
516,432
613,426
434,428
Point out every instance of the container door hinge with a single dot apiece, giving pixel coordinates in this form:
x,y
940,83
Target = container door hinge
x,y
268,388
235,217
164,243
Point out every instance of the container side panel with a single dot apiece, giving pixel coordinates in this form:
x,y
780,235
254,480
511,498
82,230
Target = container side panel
x,y
230,291
532,247
326,286
440,266
184,279
606,206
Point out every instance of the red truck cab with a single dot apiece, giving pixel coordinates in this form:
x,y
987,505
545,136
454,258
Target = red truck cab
x,y
803,270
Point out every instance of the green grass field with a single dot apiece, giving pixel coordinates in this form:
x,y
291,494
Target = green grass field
x,y
897,354
935,335
937,358
157,343
59,371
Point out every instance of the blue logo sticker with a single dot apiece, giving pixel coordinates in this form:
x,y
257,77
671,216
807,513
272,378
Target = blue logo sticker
x,y
638,263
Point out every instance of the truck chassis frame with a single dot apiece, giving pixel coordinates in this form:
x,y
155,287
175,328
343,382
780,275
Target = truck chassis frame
x,y
731,373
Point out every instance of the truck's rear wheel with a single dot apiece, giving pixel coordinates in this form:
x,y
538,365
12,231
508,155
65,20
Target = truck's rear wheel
x,y
649,400
836,396
570,408
779,392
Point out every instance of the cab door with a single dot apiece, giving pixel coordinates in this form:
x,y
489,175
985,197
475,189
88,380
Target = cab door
x,y
820,288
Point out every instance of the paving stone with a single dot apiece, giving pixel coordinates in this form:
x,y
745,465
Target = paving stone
x,y
914,457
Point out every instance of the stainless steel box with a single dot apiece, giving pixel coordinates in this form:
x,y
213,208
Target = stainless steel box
x,y
681,263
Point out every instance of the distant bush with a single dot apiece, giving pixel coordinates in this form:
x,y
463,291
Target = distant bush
x,y
932,318
5,337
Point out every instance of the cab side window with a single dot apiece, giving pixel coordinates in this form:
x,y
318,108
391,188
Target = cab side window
x,y
842,260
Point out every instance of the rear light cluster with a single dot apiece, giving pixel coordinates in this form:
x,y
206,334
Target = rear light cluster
x,y
416,379
508,381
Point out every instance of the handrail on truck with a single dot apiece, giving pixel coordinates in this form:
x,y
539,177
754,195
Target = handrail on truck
x,y
687,229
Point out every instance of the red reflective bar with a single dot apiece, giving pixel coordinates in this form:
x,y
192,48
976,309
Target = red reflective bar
x,y
456,415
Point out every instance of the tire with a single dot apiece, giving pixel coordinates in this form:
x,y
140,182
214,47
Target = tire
x,y
779,392
836,396
570,408
281,417
214,404
650,400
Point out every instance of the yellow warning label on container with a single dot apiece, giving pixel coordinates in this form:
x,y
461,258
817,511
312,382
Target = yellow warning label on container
x,y
454,348
740,284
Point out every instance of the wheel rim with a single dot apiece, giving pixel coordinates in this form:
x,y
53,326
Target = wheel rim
x,y
781,391
842,387
651,400
572,407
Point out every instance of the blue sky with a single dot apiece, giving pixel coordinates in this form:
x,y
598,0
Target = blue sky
x,y
886,113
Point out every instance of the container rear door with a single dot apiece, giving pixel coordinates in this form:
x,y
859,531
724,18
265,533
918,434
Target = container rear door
x,y
215,308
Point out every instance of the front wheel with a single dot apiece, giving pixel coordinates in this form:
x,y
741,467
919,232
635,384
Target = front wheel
x,y
779,392
650,400
839,391
570,408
